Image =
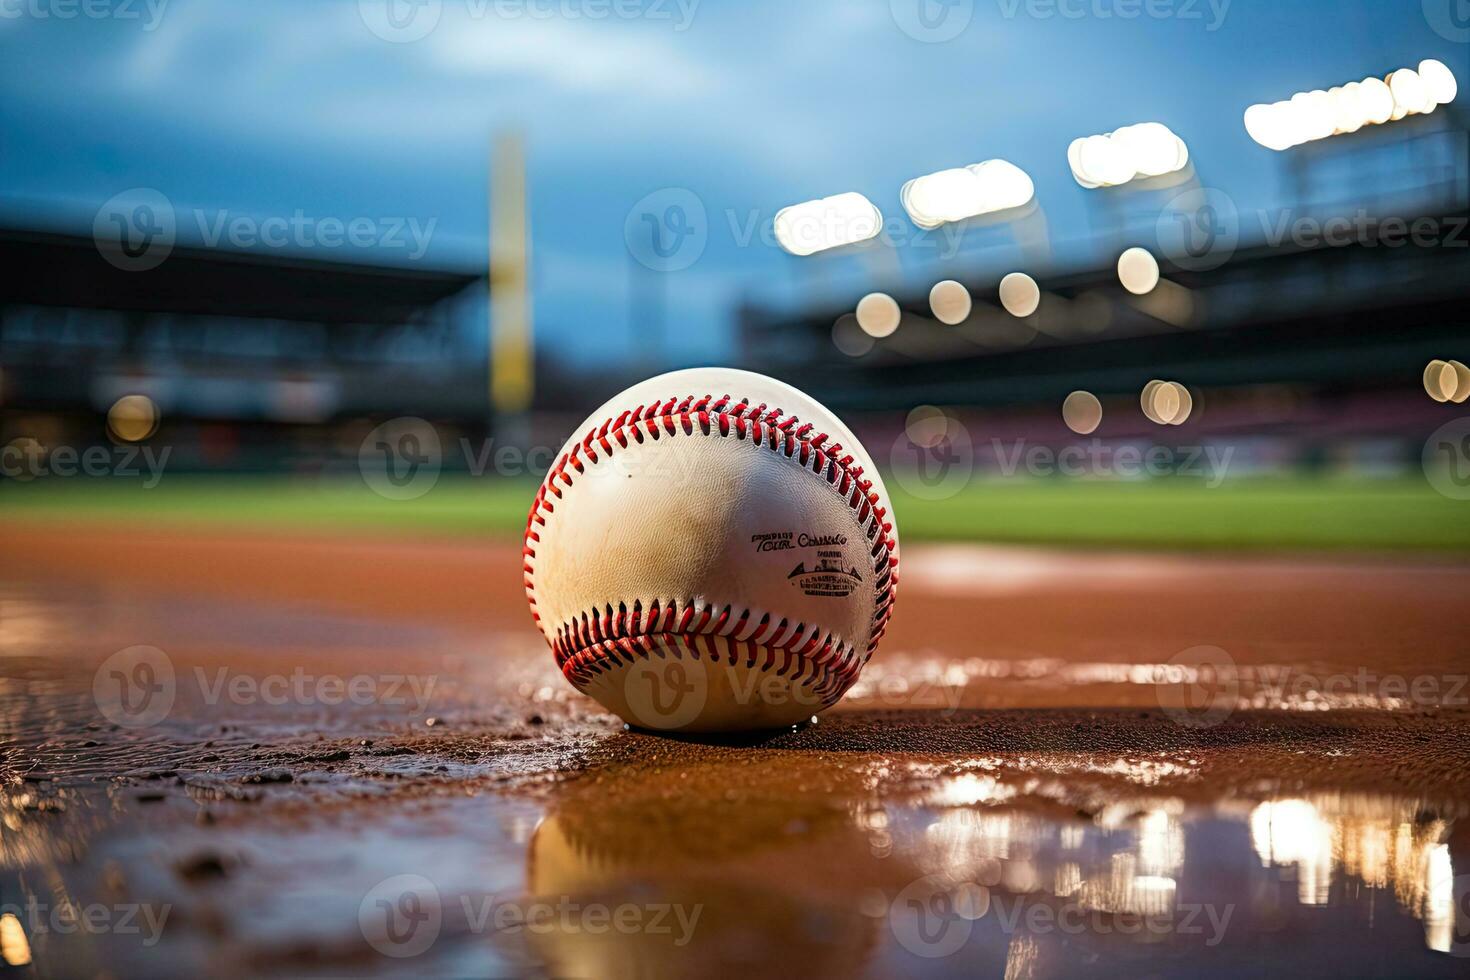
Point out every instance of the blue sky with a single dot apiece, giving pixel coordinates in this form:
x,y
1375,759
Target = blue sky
x,y
278,107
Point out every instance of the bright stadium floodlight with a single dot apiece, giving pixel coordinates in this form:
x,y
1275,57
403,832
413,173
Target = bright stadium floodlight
x,y
1439,80
966,192
816,226
1310,116
1146,150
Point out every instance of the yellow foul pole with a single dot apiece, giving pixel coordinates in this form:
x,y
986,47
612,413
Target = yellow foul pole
x,y
512,347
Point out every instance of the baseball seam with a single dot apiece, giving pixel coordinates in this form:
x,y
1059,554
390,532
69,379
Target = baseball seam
x,y
829,672
589,643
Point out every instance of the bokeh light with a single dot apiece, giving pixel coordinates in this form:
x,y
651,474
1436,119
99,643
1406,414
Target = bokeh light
x,y
966,192
816,226
1447,381
927,426
1166,402
1409,92
849,338
1185,402
1439,380
1160,402
1138,271
15,949
1082,412
1145,150
1019,294
950,302
878,314
132,418
1462,382
1439,81
1316,115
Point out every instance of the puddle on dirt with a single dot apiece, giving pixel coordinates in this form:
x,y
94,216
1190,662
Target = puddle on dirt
x,y
523,834
987,879
714,869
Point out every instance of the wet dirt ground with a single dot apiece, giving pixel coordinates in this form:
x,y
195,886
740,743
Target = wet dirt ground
x,y
311,756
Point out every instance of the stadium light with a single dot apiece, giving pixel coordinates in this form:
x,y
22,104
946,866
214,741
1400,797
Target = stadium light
x,y
1439,80
1166,402
1138,271
1316,115
831,222
1146,150
950,301
1019,294
132,418
1082,412
1447,381
966,192
878,314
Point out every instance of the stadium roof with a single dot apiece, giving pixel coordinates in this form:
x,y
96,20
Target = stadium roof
x,y
49,269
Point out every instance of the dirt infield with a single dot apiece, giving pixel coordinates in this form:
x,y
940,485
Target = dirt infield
x,y
1041,628
1055,763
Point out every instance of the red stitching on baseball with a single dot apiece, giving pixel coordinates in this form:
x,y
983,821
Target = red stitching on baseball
x,y
833,668
581,652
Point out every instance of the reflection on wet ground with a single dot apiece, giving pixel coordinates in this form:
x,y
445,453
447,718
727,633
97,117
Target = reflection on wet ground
x,y
986,877
480,820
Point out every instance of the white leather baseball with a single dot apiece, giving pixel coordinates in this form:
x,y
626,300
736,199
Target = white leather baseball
x,y
712,551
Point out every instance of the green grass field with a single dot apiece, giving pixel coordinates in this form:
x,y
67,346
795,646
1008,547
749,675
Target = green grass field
x,y
1280,513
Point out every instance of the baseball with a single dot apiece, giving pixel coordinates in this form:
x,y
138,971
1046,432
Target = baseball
x,y
712,551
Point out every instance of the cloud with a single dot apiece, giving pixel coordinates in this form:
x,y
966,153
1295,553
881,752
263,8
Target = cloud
x,y
569,56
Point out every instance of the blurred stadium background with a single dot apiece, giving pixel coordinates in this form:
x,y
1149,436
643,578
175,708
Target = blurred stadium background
x,y
1304,370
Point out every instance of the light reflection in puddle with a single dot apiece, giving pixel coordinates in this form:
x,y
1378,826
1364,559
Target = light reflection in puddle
x,y
1341,850
981,870
1381,843
1002,870
15,949
931,680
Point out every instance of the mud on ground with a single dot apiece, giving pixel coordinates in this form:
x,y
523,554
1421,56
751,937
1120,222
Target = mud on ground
x,y
1020,786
